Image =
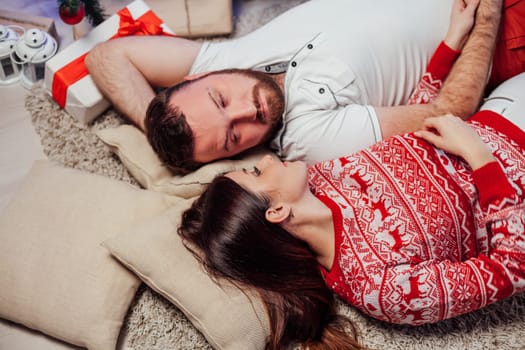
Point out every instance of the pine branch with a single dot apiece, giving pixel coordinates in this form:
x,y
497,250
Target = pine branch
x,y
94,12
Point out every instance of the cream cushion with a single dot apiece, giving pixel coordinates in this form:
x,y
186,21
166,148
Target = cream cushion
x,y
227,317
132,147
55,276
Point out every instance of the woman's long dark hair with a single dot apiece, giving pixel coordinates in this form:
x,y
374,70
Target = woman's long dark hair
x,y
227,231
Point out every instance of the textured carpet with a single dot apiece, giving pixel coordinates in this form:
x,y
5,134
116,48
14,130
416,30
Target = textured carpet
x,y
153,323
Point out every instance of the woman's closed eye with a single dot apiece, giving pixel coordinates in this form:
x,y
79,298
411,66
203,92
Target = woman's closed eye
x,y
255,171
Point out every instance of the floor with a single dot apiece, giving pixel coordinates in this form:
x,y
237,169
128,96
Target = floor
x,y
20,147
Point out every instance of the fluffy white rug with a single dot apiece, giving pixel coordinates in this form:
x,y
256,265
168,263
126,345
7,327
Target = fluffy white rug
x,y
153,323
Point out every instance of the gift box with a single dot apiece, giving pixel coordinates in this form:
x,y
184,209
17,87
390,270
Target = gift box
x,y
27,21
195,18
66,76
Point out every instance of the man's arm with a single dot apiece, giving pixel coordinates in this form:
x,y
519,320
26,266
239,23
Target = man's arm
x,y
464,86
125,69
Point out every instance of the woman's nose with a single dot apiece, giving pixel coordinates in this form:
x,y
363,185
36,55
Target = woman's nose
x,y
265,162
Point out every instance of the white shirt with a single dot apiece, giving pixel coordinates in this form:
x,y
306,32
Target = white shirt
x,y
343,57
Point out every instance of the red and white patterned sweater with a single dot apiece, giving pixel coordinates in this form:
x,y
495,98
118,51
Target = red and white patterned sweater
x,y
419,236
437,70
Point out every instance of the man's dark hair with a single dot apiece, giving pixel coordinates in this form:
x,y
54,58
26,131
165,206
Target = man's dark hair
x,y
169,134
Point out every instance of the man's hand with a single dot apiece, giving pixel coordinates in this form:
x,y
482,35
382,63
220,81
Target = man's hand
x,y
455,136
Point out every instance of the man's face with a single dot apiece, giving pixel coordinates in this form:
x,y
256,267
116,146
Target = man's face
x,y
229,112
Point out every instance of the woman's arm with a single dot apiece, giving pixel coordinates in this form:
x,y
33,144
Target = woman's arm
x,y
437,70
455,136
432,292
440,64
125,69
439,289
464,86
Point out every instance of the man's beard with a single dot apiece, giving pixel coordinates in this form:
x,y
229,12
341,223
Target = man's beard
x,y
273,93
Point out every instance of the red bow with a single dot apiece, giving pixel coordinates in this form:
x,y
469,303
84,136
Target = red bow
x,y
147,24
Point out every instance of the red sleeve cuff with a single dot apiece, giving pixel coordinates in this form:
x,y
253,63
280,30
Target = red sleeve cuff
x,y
442,61
492,184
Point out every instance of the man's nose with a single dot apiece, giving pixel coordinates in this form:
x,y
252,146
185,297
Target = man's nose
x,y
243,112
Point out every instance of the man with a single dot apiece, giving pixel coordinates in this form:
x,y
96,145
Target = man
x,y
334,82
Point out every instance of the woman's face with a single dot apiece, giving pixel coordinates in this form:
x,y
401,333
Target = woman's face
x,y
282,181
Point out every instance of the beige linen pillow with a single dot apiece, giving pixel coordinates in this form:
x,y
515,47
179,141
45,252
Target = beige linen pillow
x,y
132,147
227,317
55,276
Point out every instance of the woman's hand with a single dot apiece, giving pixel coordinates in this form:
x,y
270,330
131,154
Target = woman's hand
x,y
461,22
453,135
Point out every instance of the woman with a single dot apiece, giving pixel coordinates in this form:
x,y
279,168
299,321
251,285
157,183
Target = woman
x,y
404,231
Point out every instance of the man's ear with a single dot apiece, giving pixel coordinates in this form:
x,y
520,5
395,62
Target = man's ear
x,y
277,213
195,76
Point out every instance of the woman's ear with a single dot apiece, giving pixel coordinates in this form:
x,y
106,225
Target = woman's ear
x,y
195,76
276,214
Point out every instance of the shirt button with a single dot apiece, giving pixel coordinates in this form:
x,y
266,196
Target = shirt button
x,y
294,64
321,90
267,68
310,46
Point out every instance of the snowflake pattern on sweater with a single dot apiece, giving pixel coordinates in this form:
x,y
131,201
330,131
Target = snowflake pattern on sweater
x,y
438,68
420,237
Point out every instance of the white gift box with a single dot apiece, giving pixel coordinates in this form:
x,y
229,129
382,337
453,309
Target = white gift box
x,y
66,78
195,18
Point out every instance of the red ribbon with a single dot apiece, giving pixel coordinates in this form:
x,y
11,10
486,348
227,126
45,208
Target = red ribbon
x,y
147,24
